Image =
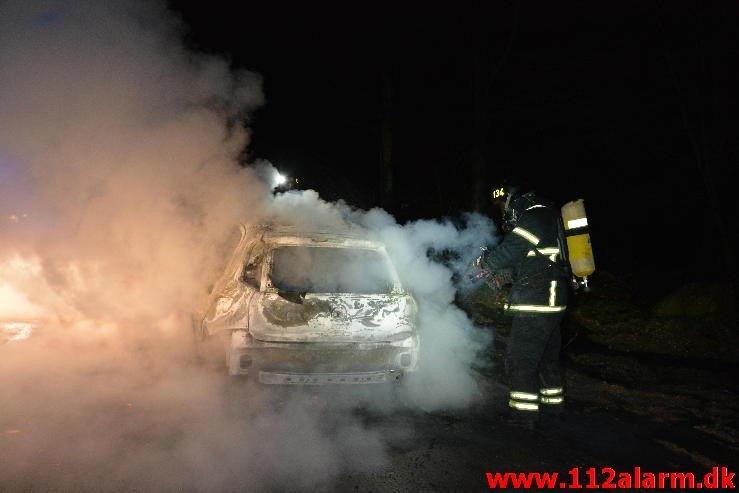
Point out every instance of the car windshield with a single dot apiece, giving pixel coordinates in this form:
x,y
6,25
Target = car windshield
x,y
331,270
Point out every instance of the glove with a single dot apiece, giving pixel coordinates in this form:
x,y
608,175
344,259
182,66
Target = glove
x,y
490,278
493,281
496,280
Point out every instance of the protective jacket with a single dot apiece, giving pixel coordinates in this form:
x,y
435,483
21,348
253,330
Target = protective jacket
x,y
539,281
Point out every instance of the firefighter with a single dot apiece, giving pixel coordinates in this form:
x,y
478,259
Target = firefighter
x,y
532,254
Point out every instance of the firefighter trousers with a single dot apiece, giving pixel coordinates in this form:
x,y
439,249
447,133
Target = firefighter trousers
x,y
532,363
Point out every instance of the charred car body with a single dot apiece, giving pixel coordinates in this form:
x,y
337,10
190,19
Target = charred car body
x,y
310,308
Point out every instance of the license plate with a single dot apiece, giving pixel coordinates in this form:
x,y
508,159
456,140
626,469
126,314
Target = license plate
x,y
277,378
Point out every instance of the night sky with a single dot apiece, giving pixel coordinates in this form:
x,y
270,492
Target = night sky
x,y
631,106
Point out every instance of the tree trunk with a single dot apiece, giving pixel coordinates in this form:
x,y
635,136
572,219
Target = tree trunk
x,y
484,71
702,146
387,184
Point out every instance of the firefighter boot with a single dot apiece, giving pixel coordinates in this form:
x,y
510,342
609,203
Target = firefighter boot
x,y
551,403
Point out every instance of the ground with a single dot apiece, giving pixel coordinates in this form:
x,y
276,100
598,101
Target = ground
x,y
650,383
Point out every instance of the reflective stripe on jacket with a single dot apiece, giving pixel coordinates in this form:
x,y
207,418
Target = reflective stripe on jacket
x,y
538,286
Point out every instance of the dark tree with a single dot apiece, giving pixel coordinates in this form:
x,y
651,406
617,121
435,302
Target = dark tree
x,y
701,59
488,56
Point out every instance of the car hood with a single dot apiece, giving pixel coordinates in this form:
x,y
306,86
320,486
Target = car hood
x,y
314,317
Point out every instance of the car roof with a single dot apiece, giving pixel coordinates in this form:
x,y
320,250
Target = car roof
x,y
355,237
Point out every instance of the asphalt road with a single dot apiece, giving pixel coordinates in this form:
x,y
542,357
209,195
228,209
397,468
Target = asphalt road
x,y
453,451
110,429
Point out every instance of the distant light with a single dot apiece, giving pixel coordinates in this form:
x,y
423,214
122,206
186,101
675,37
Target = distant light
x,y
279,179
15,218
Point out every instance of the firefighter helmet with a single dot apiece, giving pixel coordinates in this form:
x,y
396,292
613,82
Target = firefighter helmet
x,y
516,203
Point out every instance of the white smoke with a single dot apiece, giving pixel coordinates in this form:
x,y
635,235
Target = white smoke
x,y
451,345
119,181
121,149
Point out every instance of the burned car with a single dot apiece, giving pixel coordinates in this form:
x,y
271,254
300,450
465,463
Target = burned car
x,y
298,307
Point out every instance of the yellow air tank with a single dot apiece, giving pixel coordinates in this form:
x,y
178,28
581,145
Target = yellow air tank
x,y
578,239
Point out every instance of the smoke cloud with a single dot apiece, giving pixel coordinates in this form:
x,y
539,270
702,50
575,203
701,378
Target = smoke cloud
x,y
120,182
